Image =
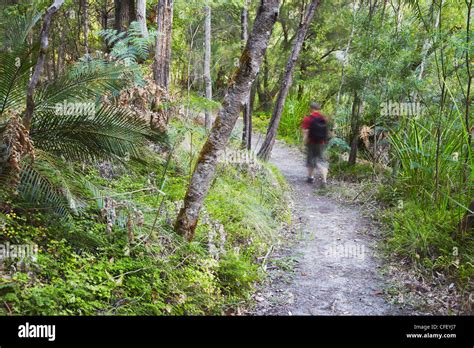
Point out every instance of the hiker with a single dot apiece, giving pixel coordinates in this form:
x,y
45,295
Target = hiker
x,y
315,137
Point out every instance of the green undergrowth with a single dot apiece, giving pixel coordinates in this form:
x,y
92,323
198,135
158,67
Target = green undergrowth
x,y
425,233
123,258
417,228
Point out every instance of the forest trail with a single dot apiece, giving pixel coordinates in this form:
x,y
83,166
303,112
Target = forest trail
x,y
337,269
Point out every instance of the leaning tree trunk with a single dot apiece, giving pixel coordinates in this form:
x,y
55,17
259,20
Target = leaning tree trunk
x,y
141,17
246,112
468,99
267,146
44,43
228,114
207,63
161,68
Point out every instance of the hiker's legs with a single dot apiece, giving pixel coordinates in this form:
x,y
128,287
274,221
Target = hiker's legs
x,y
310,161
322,164
324,171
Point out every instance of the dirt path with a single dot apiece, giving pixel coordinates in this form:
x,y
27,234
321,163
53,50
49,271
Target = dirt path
x,y
337,271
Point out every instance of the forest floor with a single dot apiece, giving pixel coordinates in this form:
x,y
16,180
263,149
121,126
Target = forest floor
x,y
335,267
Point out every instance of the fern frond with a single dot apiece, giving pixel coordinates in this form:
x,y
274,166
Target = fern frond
x,y
129,46
42,185
14,75
110,133
14,30
85,81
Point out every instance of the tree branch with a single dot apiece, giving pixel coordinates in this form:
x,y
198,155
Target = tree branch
x,y
44,43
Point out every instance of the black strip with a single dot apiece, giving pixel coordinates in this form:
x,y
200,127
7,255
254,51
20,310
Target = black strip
x,y
222,331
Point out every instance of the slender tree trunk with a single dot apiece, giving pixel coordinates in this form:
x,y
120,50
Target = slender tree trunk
x,y
354,129
246,112
104,18
207,63
267,146
246,119
303,69
160,41
264,95
141,17
426,47
346,56
44,43
444,93
192,34
161,68
467,113
253,92
85,23
228,114
61,51
53,57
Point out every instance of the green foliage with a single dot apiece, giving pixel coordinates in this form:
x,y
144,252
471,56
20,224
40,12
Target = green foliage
x,y
237,275
423,235
82,269
129,46
61,129
357,173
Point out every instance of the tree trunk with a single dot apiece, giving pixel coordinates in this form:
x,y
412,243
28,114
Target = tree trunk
x,y
53,60
121,15
228,114
141,17
267,146
85,24
265,97
354,129
246,112
104,16
468,102
466,224
253,91
161,68
346,56
44,43
207,63
124,14
61,52
132,12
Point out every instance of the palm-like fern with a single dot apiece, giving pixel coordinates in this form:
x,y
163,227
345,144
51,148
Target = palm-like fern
x,y
14,29
44,185
108,133
129,46
112,132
